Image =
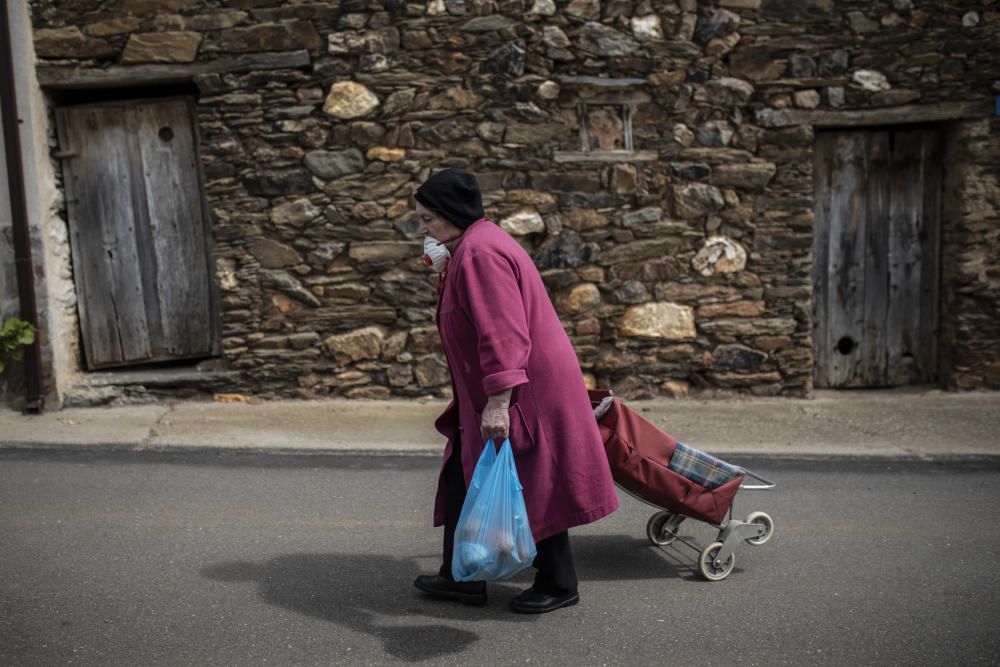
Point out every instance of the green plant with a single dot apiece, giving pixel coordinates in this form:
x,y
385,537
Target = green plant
x,y
14,335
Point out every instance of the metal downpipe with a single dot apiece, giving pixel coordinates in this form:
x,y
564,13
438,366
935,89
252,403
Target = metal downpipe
x,y
19,215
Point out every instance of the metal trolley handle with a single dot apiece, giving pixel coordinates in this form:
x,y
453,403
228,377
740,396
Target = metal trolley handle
x,y
765,483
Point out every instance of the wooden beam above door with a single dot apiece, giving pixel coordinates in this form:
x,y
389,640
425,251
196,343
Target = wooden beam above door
x,y
913,113
76,78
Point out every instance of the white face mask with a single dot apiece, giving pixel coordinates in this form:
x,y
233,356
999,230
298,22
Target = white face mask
x,y
436,254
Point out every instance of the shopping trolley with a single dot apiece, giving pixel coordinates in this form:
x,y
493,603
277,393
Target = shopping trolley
x,y
682,483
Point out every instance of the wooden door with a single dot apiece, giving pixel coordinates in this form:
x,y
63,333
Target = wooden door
x,y
876,257
138,232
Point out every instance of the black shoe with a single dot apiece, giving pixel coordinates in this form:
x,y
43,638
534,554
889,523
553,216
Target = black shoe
x,y
469,592
533,601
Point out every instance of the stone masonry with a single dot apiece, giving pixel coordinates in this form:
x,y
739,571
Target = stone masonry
x,y
676,244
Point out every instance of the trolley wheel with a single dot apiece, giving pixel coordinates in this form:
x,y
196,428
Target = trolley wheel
x,y
762,519
707,566
659,524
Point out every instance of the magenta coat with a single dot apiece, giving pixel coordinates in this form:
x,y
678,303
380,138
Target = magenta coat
x,y
500,331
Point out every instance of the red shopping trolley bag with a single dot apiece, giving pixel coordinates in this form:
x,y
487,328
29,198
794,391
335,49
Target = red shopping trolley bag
x,y
656,467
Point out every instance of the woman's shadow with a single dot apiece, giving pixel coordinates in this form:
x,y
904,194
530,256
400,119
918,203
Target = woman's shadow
x,y
364,593
373,594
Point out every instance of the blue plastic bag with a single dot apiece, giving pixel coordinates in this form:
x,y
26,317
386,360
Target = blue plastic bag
x,y
493,539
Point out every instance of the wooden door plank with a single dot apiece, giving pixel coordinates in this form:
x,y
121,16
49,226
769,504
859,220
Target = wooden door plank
x,y
905,256
215,297
872,369
147,274
822,175
847,256
102,221
930,253
99,335
176,230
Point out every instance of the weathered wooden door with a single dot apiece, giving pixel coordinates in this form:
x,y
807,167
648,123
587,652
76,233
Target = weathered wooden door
x,y
138,232
876,257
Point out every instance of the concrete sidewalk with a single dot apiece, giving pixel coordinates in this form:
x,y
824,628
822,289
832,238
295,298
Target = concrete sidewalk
x,y
926,425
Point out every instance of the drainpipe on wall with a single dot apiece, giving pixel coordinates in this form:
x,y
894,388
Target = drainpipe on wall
x,y
19,215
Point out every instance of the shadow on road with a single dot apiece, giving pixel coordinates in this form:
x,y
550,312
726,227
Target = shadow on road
x,y
373,594
624,557
365,593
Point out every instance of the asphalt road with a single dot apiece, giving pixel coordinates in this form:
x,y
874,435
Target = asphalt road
x,y
142,559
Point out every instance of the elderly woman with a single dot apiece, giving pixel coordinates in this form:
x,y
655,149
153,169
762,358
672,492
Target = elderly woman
x,y
514,373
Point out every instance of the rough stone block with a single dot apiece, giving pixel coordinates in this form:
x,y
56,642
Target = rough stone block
x,y
797,10
333,164
601,40
116,26
584,9
632,291
296,213
532,133
491,23
750,327
284,36
731,309
583,219
715,133
69,42
581,298
745,380
523,222
567,181
637,251
642,216
738,358
693,200
668,321
147,7
647,28
719,23
432,371
349,99
543,7
288,284
870,80
624,178
751,175
162,47
564,251
728,91
720,255
274,255
891,98
386,154
757,63
278,183
806,99
364,343
506,62
220,20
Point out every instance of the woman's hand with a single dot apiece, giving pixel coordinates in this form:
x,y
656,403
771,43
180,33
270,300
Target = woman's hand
x,y
496,418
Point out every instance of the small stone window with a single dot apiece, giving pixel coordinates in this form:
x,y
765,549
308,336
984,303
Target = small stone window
x,y
604,109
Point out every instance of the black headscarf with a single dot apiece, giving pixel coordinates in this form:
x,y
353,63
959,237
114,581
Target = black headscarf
x,y
455,195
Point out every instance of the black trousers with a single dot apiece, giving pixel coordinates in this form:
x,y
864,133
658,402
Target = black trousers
x,y
555,573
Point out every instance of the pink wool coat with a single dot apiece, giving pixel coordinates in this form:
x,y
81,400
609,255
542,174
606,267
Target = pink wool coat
x,y
500,331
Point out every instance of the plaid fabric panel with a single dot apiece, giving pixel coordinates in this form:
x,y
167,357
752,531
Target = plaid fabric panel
x,y
702,468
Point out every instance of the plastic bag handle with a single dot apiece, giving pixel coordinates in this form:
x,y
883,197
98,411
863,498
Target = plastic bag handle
x,y
495,448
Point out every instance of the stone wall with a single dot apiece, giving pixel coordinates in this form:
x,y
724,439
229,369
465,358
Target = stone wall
x,y
971,275
677,250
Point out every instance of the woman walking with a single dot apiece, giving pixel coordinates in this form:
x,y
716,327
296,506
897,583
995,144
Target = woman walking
x,y
514,374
